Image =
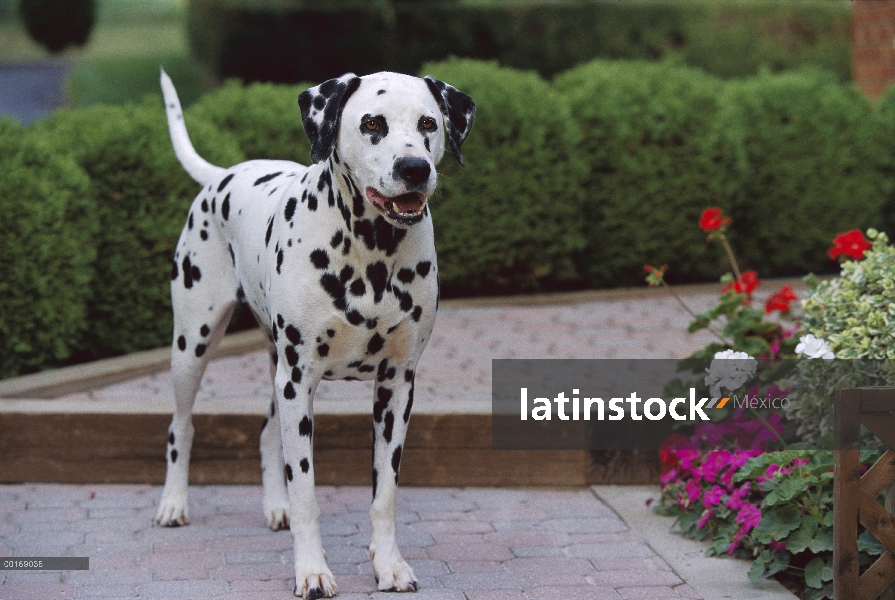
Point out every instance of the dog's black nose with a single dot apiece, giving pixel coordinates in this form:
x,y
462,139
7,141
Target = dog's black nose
x,y
413,171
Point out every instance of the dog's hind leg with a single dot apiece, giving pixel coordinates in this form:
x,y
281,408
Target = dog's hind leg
x,y
203,295
276,497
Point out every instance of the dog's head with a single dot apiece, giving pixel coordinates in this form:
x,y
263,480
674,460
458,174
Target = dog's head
x,y
389,131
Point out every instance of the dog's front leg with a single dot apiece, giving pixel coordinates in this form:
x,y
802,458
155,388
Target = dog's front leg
x,y
391,412
295,392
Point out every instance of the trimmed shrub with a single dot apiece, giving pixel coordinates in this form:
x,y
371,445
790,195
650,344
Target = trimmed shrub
x,y
295,40
511,220
142,196
264,118
58,24
811,158
654,165
47,245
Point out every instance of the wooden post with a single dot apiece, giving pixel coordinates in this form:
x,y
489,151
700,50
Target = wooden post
x,y
846,500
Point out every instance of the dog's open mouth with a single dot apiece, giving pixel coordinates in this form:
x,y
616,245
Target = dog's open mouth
x,y
403,208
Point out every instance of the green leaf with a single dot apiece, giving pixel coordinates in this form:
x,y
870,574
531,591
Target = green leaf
x,y
823,541
817,572
869,544
777,523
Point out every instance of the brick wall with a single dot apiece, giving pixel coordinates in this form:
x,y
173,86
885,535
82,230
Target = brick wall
x,y
873,45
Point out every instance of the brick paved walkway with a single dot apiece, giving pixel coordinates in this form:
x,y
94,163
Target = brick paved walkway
x,y
471,544
462,544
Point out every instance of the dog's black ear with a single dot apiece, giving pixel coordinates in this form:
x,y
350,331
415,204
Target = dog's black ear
x,y
458,110
321,108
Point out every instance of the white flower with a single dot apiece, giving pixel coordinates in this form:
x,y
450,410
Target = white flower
x,y
729,370
813,347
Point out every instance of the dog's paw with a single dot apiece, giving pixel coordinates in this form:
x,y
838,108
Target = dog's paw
x,y
277,517
397,577
173,511
316,585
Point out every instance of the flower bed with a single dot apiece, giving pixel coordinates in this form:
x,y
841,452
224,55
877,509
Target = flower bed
x,y
735,482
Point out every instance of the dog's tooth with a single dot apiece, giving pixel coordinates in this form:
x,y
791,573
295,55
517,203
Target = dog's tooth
x,y
394,207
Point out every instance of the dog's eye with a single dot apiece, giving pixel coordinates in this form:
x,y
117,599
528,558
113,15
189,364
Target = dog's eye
x,y
371,125
427,123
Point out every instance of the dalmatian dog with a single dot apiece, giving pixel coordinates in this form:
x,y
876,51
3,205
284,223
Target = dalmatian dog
x,y
337,262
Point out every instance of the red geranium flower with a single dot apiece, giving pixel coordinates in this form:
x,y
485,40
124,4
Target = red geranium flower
x,y
851,243
711,219
781,300
655,275
747,284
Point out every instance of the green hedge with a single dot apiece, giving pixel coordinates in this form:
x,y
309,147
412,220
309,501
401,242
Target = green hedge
x,y
578,182
653,166
47,245
142,196
264,118
509,220
295,40
812,159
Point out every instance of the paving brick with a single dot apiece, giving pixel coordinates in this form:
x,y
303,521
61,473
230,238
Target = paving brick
x,y
648,593
495,595
603,551
554,566
484,551
204,588
573,592
645,578
486,581
475,566
124,590
527,538
37,591
536,551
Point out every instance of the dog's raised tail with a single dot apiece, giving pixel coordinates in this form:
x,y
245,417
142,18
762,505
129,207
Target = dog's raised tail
x,y
199,169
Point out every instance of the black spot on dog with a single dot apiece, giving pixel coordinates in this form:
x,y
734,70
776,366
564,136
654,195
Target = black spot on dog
x,y
232,255
204,331
319,258
224,182
289,391
213,200
383,397
269,231
267,178
187,273
279,260
371,323
204,205
335,288
171,438
375,344
406,276
288,472
296,375
409,400
290,208
366,368
379,234
358,288
330,333
293,335
377,273
173,455
423,267
225,207
380,92
200,349
312,202
323,350
306,427
346,273
305,466
189,222
204,235
336,239
195,273
347,248
417,313
408,375
181,343
406,301
280,322
174,271
291,356
389,425
240,294
379,127
354,317
396,459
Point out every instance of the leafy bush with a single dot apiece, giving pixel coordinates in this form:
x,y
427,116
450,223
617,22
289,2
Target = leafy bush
x,y
263,117
653,166
47,245
850,312
58,24
811,156
142,195
513,218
